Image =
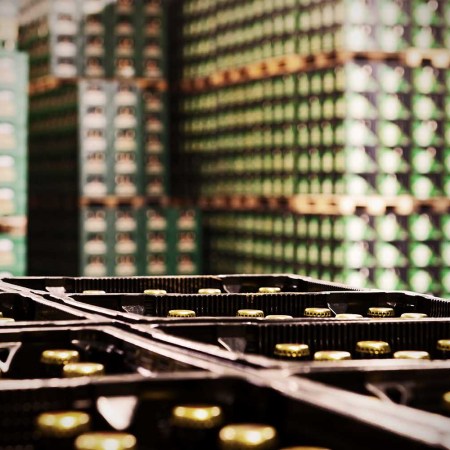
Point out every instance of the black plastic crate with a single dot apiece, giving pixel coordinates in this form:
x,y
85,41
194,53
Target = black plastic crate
x,y
227,305
309,415
246,342
173,284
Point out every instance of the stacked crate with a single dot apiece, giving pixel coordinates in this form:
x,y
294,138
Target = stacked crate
x,y
13,145
99,138
331,115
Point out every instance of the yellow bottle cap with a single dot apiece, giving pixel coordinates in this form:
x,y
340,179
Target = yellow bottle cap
x,y
412,315
62,423
317,312
197,416
332,355
381,312
155,292
83,369
411,354
278,317
373,347
59,357
269,290
289,350
250,435
105,441
209,291
5,320
250,313
443,345
301,447
446,400
181,313
348,316
93,292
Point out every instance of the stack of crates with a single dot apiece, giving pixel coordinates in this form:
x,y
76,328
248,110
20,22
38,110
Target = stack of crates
x,y
99,138
319,101
13,145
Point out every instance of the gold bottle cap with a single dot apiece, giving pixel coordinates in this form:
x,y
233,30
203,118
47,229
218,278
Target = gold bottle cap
x,y
332,355
105,441
59,357
155,292
83,369
413,315
291,350
381,312
93,292
443,345
197,416
317,312
4,320
209,291
181,313
250,313
348,316
373,347
241,436
63,423
446,400
269,290
411,354
302,447
278,317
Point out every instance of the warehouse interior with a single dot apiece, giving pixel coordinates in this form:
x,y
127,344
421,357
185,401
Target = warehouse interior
x,y
224,224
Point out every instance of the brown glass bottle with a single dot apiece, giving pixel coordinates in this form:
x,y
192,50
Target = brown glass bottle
x,y
195,426
58,430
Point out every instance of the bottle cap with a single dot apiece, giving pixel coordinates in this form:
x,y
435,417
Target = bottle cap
x,y
105,441
93,292
291,350
239,436
83,369
411,354
443,345
197,416
331,355
381,312
62,423
413,315
181,313
446,400
155,292
317,312
250,313
301,447
373,347
209,291
4,320
278,317
269,290
348,316
59,357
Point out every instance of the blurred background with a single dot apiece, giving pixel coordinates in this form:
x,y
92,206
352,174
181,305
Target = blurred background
x,y
147,137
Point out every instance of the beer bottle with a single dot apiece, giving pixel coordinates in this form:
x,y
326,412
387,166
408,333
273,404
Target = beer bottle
x,y
196,426
379,312
332,355
83,369
54,361
250,313
317,312
291,351
106,441
242,436
183,313
59,429
372,349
